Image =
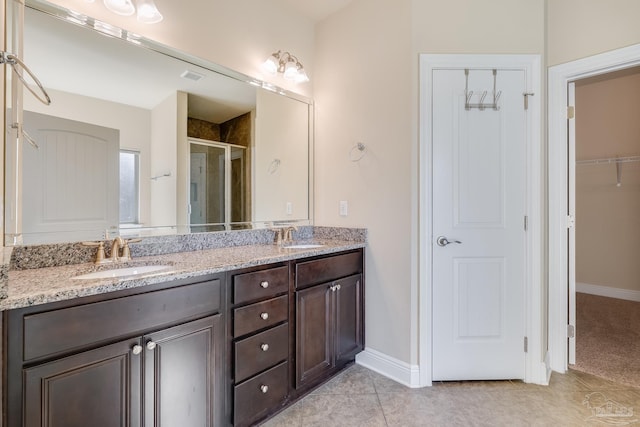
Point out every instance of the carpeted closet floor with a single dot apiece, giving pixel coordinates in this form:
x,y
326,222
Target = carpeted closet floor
x,y
608,338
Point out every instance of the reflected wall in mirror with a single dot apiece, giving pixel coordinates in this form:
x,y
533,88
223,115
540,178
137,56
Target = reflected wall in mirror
x,y
196,150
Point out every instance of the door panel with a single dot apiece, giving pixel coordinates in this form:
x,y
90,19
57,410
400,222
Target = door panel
x,y
348,326
314,336
181,375
479,205
92,388
74,158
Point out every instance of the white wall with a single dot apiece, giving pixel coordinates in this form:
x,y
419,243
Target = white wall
x,y
238,34
581,28
363,94
282,134
164,159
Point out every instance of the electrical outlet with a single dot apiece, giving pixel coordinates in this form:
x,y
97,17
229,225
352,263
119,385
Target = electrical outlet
x,y
289,208
344,208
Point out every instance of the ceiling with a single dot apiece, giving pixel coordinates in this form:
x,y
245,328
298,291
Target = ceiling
x,y
316,10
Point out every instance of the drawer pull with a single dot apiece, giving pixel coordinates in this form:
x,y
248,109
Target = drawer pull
x,y
264,284
264,347
264,316
151,345
137,349
264,388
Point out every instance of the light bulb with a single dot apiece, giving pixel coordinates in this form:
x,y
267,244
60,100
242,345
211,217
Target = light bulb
x,y
121,7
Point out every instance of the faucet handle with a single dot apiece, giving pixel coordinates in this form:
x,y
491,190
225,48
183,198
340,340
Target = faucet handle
x,y
100,255
279,233
126,252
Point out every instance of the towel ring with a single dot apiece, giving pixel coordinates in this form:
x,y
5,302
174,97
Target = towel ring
x,y
354,155
273,166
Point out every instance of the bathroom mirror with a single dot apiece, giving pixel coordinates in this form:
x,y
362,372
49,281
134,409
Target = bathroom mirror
x,y
143,140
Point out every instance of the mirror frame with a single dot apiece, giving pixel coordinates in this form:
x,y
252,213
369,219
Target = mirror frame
x,y
74,18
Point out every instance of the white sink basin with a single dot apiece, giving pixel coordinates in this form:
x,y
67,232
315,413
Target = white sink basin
x,y
304,246
124,272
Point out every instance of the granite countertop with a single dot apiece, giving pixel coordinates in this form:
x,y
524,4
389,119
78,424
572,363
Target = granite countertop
x,y
43,285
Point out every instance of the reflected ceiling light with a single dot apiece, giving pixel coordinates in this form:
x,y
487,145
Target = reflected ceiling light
x,y
120,7
287,64
148,13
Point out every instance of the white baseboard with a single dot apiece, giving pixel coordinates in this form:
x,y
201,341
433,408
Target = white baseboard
x,y
390,367
606,291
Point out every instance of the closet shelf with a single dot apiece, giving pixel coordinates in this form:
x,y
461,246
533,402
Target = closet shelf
x,y
631,159
618,162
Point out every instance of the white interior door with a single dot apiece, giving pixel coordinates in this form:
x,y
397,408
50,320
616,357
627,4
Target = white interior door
x,y
73,158
479,200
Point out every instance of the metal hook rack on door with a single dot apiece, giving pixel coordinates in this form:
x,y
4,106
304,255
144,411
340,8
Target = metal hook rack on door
x,y
481,105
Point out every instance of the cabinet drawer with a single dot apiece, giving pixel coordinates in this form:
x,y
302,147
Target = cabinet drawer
x,y
260,315
260,395
328,269
63,330
260,284
261,351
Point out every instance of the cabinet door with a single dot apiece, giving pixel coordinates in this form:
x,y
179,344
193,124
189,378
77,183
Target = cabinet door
x,y
348,312
184,375
100,387
314,333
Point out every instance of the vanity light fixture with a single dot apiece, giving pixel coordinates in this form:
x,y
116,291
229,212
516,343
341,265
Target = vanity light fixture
x,y
147,12
287,64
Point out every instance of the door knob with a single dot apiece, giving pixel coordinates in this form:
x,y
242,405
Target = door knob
x,y
443,241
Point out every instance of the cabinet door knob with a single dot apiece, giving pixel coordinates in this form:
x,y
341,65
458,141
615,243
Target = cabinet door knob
x,y
137,349
332,288
151,345
264,284
264,316
338,286
264,347
264,388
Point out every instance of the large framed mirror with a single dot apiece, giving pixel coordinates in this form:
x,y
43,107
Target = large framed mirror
x,y
141,139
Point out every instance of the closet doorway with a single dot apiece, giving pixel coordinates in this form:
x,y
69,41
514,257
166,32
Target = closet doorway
x,y
606,237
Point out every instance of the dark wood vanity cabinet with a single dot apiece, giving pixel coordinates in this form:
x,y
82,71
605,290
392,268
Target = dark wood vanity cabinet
x,y
329,328
225,349
148,359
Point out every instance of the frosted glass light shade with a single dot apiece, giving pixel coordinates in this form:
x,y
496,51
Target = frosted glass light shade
x,y
148,13
121,7
290,70
270,65
301,76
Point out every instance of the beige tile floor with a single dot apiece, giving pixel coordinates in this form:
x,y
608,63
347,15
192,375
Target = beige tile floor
x,y
360,397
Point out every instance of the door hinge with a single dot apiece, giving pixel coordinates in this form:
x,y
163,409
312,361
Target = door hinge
x,y
526,223
526,99
571,112
526,344
571,331
571,221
